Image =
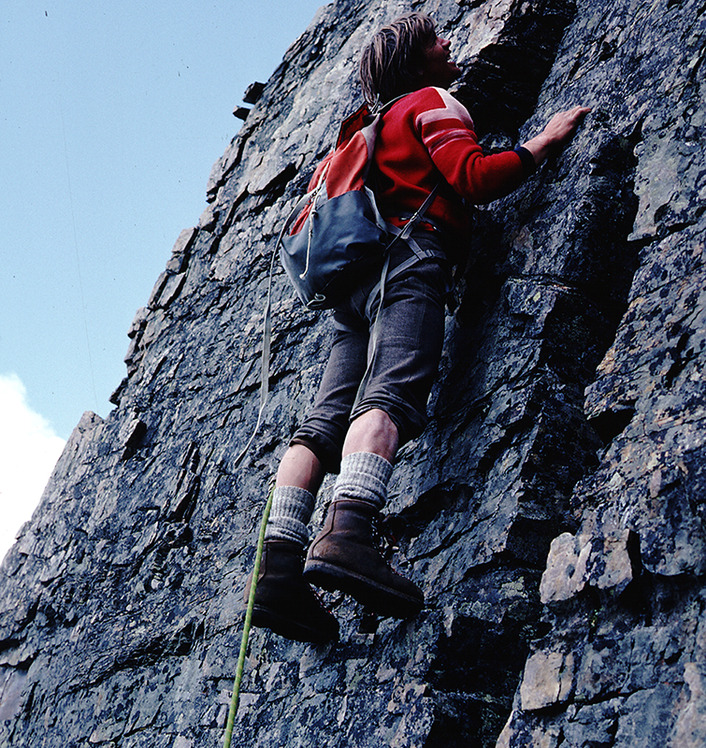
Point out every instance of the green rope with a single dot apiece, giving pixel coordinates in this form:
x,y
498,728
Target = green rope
x,y
246,626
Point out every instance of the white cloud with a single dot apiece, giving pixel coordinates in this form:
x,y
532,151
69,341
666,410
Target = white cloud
x,y
29,450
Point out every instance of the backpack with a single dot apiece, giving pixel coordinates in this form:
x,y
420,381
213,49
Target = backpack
x,y
335,230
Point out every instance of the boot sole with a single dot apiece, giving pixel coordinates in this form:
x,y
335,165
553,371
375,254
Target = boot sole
x,y
385,601
263,617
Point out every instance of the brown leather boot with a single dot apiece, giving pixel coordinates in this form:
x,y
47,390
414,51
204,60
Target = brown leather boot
x,y
284,601
344,557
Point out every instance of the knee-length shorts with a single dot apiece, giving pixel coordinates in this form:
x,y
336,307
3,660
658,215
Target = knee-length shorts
x,y
397,372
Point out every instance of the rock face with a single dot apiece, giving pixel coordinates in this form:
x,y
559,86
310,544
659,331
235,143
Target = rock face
x,y
553,510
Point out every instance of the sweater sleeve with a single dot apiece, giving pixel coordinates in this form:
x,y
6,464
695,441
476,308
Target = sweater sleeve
x,y
447,131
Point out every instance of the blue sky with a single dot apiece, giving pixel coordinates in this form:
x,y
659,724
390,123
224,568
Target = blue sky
x,y
111,117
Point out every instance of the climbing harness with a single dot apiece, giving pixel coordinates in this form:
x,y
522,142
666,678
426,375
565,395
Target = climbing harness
x,y
246,625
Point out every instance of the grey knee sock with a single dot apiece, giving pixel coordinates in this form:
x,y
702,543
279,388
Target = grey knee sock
x,y
290,514
363,476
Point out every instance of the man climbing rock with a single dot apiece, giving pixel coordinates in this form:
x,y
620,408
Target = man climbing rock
x,y
372,402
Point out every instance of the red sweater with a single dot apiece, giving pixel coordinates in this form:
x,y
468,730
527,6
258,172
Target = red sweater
x,y
426,133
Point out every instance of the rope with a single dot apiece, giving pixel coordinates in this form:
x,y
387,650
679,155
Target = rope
x,y
264,361
246,626
312,214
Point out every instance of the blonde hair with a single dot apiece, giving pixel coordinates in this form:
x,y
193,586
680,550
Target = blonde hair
x,y
391,64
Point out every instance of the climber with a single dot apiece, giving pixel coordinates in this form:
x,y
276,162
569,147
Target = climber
x,y
356,429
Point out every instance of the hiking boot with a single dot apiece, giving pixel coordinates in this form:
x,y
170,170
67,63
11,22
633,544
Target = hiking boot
x,y
284,602
344,557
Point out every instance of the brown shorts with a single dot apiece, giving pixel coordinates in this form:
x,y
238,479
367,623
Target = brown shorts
x,y
406,357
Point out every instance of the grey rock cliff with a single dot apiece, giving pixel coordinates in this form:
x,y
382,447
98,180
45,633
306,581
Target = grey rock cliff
x,y
552,511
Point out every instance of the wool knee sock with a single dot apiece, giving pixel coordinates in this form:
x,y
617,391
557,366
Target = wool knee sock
x,y
363,476
290,514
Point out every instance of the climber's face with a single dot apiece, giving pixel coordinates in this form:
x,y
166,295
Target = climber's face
x,y
439,69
